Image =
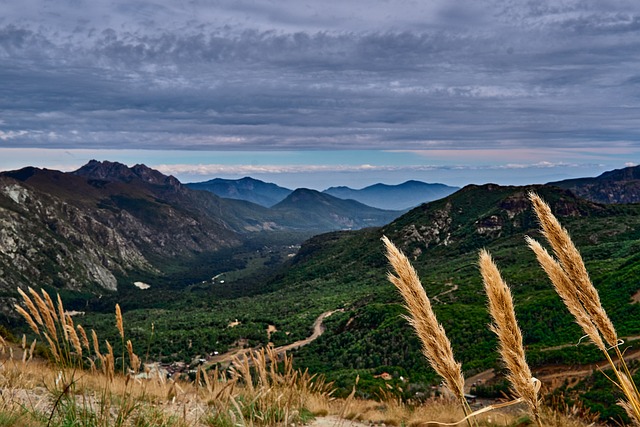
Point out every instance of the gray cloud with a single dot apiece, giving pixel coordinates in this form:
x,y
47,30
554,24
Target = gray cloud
x,y
333,74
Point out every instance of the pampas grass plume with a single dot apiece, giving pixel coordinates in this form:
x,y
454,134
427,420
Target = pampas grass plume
x,y
435,344
509,335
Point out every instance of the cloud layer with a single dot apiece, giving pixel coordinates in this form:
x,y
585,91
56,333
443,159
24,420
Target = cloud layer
x,y
290,75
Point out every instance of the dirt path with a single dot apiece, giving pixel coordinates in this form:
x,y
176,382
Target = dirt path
x,y
480,378
560,347
554,376
454,287
318,329
334,421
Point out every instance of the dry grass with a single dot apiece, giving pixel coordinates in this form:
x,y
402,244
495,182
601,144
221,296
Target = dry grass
x,y
435,344
213,400
82,387
571,280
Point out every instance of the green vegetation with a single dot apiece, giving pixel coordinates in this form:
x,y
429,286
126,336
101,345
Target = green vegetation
x,y
347,270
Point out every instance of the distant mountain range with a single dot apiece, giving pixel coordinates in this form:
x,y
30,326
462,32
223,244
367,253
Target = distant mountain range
x,y
616,186
382,196
402,196
87,227
324,210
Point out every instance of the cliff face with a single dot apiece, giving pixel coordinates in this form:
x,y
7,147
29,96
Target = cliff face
x,y
78,230
45,241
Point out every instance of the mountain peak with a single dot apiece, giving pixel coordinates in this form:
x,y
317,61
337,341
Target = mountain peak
x,y
247,188
115,171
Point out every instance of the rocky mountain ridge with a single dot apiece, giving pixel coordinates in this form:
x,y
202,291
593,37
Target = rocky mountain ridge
x,y
63,230
616,186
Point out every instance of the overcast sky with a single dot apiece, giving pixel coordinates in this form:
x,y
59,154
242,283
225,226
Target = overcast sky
x,y
464,91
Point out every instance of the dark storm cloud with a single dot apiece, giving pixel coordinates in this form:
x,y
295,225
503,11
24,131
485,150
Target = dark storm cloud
x,y
289,75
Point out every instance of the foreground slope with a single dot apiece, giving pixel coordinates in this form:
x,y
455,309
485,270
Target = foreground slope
x,y
442,239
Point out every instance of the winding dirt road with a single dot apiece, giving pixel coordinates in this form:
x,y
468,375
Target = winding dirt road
x,y
553,376
318,329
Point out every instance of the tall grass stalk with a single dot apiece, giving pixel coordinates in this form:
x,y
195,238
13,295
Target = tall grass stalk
x,y
509,335
436,347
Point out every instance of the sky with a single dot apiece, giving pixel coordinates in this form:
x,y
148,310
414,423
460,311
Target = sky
x,y
320,93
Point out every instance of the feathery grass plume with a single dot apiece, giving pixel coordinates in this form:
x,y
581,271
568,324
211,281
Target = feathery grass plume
x,y
632,403
120,326
83,337
96,344
435,345
44,312
134,360
108,363
31,306
24,348
50,315
28,318
61,318
47,298
565,288
75,341
53,347
509,335
574,267
32,348
119,323
42,306
582,298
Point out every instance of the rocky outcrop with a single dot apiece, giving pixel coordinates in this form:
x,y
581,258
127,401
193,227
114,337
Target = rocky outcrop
x,y
47,242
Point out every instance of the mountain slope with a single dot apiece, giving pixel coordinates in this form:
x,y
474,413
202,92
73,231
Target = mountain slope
x,y
442,238
314,207
394,197
616,186
249,189
77,229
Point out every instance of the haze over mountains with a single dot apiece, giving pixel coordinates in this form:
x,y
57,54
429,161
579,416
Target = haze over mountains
x,y
382,196
404,196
